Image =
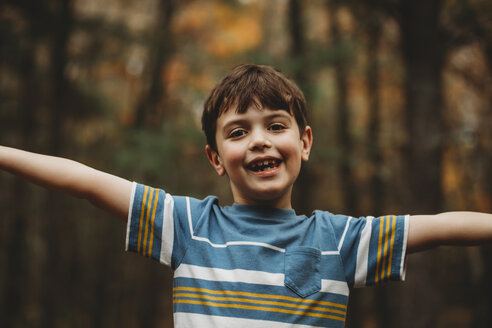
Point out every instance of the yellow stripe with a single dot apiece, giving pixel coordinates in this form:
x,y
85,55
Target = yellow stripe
x,y
393,228
141,218
152,223
385,247
260,308
280,297
147,216
246,300
379,249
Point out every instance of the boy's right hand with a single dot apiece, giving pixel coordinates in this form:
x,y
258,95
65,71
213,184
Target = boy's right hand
x,y
104,190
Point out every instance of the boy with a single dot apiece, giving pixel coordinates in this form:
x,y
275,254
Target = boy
x,y
255,263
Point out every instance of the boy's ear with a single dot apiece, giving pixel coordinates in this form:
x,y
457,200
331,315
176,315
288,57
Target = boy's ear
x,y
307,142
214,159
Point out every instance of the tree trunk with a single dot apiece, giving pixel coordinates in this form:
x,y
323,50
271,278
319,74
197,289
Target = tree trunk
x,y
152,106
302,197
373,138
57,232
13,297
423,60
373,29
484,317
349,192
423,56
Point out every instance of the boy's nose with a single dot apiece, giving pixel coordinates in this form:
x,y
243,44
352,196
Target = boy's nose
x,y
259,141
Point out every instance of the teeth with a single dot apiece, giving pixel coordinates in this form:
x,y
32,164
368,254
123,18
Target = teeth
x,y
265,165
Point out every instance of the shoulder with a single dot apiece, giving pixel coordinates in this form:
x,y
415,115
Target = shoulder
x,y
335,220
196,203
147,198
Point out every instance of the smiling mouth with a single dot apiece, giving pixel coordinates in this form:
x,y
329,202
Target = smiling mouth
x,y
264,165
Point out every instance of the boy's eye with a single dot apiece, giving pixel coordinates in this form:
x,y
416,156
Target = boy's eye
x,y
237,133
277,127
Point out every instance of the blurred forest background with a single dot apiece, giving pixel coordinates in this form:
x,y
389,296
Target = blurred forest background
x,y
400,95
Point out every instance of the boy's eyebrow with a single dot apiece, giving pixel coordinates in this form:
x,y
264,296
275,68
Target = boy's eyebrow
x,y
239,121
279,112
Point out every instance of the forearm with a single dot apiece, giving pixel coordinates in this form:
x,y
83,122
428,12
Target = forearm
x,y
63,175
50,172
450,228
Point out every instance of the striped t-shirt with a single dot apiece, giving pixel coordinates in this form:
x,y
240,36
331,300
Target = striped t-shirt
x,y
246,266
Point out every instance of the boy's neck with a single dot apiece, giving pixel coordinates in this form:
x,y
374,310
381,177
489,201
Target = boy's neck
x,y
283,202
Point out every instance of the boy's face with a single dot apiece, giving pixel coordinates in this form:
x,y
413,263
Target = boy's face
x,y
261,151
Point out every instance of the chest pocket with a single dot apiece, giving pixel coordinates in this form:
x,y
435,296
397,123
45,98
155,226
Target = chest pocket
x,y
302,272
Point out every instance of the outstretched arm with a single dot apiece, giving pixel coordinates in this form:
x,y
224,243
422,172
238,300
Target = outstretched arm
x,y
452,228
104,190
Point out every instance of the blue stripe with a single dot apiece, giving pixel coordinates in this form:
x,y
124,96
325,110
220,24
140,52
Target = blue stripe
x,y
396,268
135,218
373,252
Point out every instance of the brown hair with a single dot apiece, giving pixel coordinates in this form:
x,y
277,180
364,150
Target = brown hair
x,y
248,84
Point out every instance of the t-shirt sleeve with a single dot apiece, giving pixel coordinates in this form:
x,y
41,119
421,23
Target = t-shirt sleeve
x,y
151,223
373,250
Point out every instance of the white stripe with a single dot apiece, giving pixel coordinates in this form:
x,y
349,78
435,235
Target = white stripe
x,y
236,275
251,277
335,287
344,233
182,320
230,243
129,219
238,242
363,254
188,210
167,239
403,265
330,253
